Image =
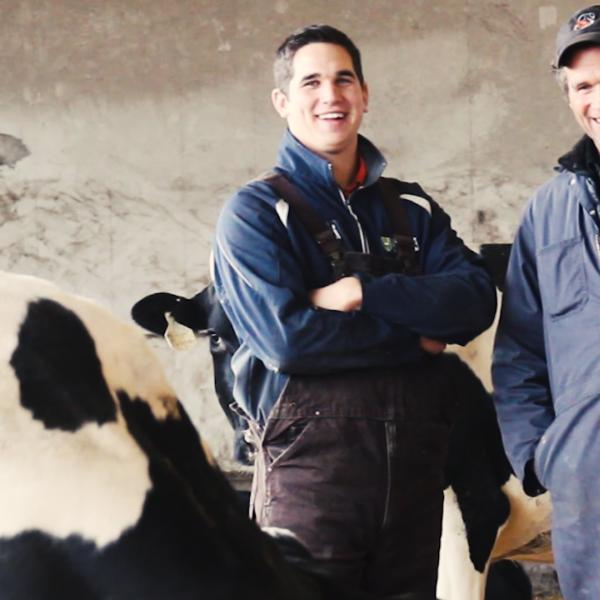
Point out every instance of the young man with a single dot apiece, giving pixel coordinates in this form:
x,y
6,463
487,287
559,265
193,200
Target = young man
x,y
336,370
545,371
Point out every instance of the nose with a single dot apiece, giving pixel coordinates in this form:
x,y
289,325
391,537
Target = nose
x,y
330,92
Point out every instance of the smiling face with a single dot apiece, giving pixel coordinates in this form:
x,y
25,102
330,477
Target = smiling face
x,y
583,88
325,101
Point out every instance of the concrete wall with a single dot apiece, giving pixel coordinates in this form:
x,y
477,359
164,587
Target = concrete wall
x,y
142,116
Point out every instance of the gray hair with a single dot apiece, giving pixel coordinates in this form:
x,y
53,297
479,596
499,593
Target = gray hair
x,y
560,70
560,74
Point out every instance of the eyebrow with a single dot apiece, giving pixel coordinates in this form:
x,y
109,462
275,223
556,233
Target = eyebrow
x,y
342,73
578,83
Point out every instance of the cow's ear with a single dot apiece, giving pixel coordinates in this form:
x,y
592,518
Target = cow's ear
x,y
149,312
178,336
495,258
195,312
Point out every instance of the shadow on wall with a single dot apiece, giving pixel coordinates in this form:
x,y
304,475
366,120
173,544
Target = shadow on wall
x,y
12,150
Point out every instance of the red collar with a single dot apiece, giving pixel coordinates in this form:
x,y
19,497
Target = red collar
x,y
359,178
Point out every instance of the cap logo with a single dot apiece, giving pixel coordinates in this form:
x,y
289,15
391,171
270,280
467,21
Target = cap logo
x,y
584,20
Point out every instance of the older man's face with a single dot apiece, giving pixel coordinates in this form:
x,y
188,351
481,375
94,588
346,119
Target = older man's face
x,y
583,87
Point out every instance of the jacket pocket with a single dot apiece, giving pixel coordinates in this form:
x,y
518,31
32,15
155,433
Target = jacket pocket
x,y
561,273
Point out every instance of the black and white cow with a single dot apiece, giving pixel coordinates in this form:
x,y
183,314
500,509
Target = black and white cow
x,y
487,515
105,489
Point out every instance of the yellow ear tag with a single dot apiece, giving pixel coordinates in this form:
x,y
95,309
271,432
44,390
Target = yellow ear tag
x,y
178,336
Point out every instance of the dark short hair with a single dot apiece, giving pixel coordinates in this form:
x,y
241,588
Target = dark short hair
x,y
283,69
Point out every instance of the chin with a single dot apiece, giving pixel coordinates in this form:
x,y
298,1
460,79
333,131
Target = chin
x,y
332,150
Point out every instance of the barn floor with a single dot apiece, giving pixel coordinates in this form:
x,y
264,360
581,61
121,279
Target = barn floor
x,y
544,582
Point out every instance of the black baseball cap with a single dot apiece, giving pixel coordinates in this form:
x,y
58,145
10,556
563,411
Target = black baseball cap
x,y
583,27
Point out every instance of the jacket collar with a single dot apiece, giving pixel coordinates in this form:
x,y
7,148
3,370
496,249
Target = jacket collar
x,y
582,158
297,159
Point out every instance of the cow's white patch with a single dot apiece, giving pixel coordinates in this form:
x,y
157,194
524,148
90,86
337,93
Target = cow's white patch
x,y
419,200
91,482
529,517
283,210
128,363
457,577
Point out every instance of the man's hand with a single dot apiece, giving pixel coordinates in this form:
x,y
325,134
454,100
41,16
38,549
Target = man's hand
x,y
344,295
431,346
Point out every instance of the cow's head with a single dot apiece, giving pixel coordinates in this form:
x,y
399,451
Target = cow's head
x,y
202,315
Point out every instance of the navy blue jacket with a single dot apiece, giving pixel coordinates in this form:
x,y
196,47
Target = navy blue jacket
x,y
266,262
546,351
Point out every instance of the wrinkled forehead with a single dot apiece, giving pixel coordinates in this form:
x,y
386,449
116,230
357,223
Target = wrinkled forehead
x,y
583,63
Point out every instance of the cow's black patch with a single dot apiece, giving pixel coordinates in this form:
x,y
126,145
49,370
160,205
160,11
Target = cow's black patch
x,y
195,529
477,466
33,566
59,373
192,540
507,580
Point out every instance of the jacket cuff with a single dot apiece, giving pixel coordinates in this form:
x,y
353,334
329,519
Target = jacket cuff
x,y
531,484
365,279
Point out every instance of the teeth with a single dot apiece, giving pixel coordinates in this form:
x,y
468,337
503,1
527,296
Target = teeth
x,y
332,115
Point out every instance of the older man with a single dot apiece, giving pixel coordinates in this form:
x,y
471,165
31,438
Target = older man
x,y
547,356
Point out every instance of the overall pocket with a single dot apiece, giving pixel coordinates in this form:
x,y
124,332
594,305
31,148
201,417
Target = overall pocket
x,y
280,436
562,278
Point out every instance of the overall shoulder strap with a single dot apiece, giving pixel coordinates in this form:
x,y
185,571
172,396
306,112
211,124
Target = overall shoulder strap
x,y
390,192
346,262
318,228
407,246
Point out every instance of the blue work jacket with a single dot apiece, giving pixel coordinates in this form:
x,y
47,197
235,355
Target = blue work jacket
x,y
545,368
266,262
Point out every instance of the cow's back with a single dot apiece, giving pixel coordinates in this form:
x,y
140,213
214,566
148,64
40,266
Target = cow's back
x,y
106,490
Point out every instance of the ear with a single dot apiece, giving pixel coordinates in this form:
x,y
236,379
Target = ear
x,y
365,92
280,102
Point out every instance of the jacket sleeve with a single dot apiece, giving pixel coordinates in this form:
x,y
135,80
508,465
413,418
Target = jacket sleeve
x,y
261,286
452,301
522,391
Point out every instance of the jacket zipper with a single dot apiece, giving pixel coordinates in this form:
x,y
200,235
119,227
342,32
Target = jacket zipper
x,y
594,213
364,243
